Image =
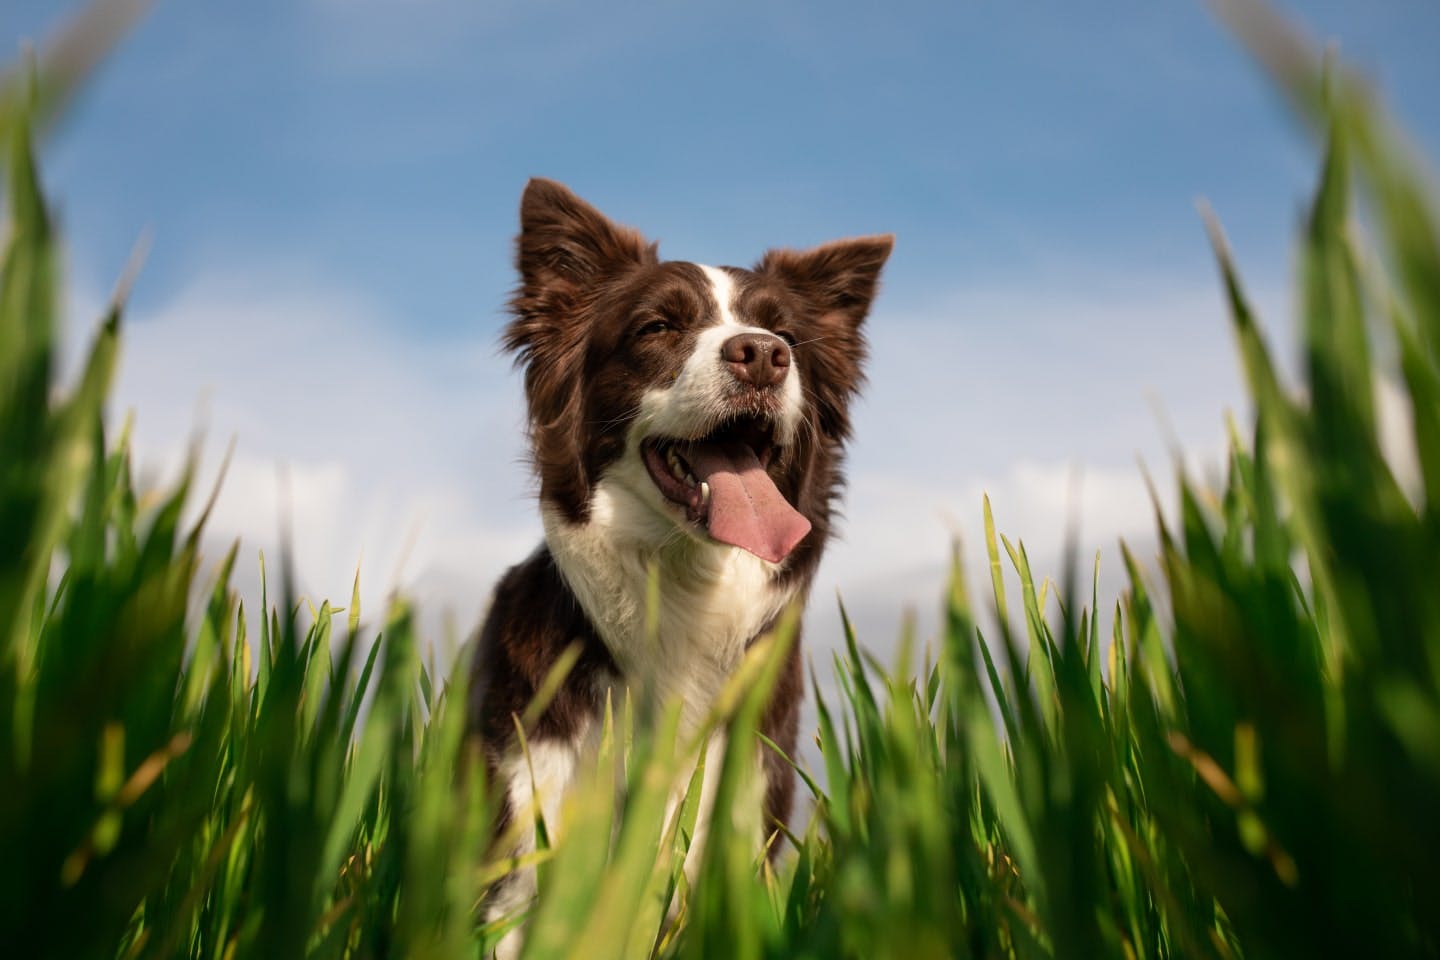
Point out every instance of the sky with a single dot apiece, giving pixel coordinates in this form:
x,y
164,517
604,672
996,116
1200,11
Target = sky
x,y
331,190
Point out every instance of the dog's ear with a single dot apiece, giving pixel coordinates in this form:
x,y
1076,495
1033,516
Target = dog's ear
x,y
566,243
838,279
566,249
836,282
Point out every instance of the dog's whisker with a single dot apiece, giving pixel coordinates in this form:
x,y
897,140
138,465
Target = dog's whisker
x,y
614,420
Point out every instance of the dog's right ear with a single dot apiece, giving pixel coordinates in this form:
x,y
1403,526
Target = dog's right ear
x,y
566,249
567,245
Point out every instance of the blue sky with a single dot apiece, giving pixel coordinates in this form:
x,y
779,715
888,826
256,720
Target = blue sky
x,y
332,188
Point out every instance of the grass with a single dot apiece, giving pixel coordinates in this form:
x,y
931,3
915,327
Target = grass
x,y
1251,769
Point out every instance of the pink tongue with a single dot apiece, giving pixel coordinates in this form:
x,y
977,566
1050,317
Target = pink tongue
x,y
746,510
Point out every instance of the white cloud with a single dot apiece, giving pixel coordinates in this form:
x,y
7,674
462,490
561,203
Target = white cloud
x,y
407,455
897,541
1396,423
401,455
1047,399
373,35
390,39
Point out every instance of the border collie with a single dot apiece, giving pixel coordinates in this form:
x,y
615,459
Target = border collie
x,y
683,416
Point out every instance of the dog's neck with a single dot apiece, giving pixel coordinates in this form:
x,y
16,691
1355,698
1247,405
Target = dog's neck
x,y
714,599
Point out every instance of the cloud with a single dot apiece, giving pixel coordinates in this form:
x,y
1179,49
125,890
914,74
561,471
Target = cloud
x,y
401,455
900,531
456,39
405,455
1049,399
1396,427
385,35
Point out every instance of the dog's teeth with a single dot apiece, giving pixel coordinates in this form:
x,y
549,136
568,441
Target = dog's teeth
x,y
704,494
690,479
677,471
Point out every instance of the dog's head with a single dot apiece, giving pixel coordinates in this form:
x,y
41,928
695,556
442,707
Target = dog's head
x,y
713,401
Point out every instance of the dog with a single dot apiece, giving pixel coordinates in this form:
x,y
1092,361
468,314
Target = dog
x,y
681,417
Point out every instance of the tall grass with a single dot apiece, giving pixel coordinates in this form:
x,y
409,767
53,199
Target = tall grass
x,y
1251,769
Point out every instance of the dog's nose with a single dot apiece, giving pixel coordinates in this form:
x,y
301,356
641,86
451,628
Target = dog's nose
x,y
761,359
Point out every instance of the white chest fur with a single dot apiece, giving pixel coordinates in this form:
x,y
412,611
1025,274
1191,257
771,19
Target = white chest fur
x,y
712,598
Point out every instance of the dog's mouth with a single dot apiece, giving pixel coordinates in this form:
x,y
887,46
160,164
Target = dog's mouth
x,y
720,480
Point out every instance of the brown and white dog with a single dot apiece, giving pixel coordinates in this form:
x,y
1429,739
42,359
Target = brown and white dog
x,y
682,416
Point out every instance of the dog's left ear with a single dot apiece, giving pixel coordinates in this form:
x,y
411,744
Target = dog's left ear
x,y
837,279
836,282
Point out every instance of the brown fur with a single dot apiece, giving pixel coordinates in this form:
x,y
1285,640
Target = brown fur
x,y
598,319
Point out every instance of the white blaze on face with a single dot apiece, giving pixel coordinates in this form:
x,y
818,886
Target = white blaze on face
x,y
698,399
722,288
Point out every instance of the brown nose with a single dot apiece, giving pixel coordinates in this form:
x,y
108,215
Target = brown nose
x,y
756,358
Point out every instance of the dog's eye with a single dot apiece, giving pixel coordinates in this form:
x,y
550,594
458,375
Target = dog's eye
x,y
655,326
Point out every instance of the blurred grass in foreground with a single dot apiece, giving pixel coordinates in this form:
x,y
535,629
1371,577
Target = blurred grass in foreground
x,y
1256,774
